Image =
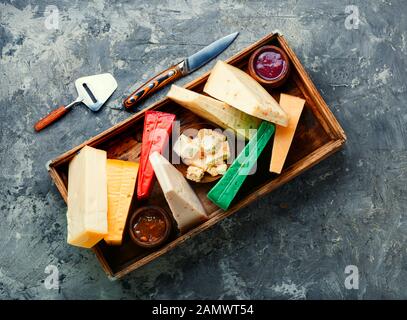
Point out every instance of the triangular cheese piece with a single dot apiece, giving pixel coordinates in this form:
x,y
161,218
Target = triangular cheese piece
x,y
218,112
121,182
183,201
284,135
235,87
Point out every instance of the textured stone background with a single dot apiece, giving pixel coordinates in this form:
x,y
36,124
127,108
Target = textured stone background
x,y
292,244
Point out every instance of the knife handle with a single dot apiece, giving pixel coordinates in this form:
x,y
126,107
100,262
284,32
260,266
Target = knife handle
x,y
51,118
154,84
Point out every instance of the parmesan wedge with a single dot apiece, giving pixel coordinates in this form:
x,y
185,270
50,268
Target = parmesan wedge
x,y
236,88
183,201
215,111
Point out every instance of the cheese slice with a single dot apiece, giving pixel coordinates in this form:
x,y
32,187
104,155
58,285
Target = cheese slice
x,y
87,198
284,135
235,87
215,111
184,203
121,181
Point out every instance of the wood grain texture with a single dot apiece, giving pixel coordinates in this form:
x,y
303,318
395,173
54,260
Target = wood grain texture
x,y
152,85
51,118
317,136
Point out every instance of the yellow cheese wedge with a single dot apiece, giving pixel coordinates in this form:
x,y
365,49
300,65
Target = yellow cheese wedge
x,y
284,135
87,198
121,181
236,88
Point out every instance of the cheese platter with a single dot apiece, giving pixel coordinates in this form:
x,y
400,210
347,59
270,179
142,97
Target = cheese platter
x,y
303,136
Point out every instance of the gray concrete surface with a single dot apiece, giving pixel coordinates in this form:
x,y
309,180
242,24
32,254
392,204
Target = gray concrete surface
x,y
294,243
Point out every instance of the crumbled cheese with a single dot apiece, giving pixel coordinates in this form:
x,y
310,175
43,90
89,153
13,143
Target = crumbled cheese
x,y
206,152
212,171
195,173
208,144
185,147
221,169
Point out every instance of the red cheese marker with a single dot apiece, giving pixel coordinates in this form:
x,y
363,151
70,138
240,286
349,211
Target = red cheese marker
x,y
157,128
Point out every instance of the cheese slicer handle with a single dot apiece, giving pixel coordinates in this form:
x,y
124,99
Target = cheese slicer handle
x,y
51,118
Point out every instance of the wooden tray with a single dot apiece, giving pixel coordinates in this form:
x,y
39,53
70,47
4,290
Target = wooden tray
x,y
318,135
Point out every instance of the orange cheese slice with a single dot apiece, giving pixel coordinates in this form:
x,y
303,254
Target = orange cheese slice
x,y
121,181
283,137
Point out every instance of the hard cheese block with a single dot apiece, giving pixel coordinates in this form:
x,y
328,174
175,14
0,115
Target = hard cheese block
x,y
184,203
284,135
228,186
87,198
121,181
216,111
235,87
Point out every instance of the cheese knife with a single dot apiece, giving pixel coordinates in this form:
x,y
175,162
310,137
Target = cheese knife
x,y
179,70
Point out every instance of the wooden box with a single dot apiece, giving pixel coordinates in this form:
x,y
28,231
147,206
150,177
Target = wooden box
x,y
318,135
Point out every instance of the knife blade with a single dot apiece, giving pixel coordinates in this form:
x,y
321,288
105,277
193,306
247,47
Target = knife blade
x,y
179,70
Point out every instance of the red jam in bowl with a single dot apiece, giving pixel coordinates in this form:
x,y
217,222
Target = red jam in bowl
x,y
270,64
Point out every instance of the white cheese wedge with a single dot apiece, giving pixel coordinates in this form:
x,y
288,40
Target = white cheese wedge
x,y
235,87
87,198
184,203
215,111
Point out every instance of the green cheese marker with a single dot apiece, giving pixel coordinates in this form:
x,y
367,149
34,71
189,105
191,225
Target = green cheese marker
x,y
226,189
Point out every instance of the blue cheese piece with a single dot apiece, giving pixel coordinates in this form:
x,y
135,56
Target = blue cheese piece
x,y
208,144
221,168
210,140
217,170
196,162
195,174
220,155
186,148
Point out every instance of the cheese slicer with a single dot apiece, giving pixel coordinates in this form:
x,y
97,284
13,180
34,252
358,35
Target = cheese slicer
x,y
93,91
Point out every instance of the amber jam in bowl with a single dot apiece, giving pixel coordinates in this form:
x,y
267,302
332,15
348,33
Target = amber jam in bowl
x,y
150,226
269,65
